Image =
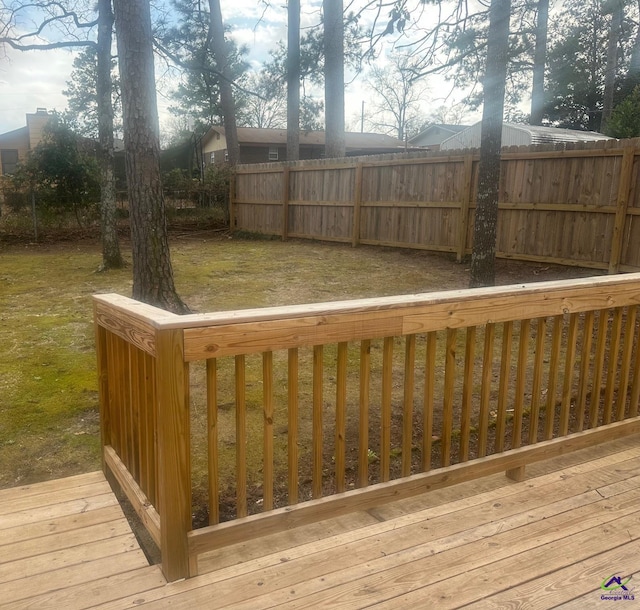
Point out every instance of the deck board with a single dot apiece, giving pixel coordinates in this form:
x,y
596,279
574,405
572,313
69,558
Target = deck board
x,y
547,541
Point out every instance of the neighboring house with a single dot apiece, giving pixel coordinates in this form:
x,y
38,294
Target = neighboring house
x,y
431,137
520,135
15,145
265,145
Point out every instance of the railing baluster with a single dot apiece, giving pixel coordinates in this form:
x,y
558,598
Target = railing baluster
x,y
598,367
292,426
135,392
241,438
485,392
429,400
385,422
212,442
536,383
585,366
153,380
612,364
316,441
625,366
341,417
505,375
125,397
521,380
407,412
467,393
267,403
554,364
115,400
447,403
145,432
569,365
635,388
363,434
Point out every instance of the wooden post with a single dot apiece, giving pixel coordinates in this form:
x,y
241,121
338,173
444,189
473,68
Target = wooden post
x,y
357,202
103,388
174,480
232,200
516,474
285,203
624,186
464,207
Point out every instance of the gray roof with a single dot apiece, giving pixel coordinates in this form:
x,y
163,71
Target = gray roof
x,y
551,135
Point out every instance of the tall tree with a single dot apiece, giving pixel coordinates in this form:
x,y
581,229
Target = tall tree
x,y
216,40
616,9
75,29
396,104
293,80
187,45
625,119
334,78
266,107
577,61
539,63
152,271
632,77
111,256
486,217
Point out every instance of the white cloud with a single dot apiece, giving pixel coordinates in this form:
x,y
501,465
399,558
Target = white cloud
x,y
30,80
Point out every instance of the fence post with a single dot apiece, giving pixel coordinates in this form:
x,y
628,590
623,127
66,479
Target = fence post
x,y
464,207
357,202
285,203
232,200
174,479
622,205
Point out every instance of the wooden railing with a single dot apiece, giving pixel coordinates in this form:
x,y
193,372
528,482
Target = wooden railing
x,y
267,419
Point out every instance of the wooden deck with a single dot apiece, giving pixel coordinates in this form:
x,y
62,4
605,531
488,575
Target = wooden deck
x,y
546,542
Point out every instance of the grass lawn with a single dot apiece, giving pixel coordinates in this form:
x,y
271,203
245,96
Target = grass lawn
x,y
49,424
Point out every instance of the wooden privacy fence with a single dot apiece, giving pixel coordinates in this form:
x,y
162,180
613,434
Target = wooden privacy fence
x,y
272,418
575,205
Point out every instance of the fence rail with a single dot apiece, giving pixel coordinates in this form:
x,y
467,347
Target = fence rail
x,y
270,418
575,205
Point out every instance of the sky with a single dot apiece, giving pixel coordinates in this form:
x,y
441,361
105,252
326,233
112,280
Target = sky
x,y
36,79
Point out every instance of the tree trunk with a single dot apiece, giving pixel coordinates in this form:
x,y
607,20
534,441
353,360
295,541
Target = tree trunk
x,y
216,40
612,62
539,63
486,219
111,256
633,75
334,78
293,80
152,271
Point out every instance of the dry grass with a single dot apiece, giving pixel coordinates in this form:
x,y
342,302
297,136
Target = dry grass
x,y
48,399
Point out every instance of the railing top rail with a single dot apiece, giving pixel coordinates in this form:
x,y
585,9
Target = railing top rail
x,y
556,289
538,290
210,335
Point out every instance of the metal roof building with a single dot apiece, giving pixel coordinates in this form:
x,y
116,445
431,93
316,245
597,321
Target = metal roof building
x,y
520,135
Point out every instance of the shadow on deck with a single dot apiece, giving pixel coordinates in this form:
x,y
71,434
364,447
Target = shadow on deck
x,y
551,540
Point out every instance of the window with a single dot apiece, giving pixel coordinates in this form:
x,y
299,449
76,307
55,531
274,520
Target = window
x,y
226,155
212,158
9,161
273,153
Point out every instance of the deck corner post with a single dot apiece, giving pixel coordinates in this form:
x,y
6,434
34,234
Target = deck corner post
x,y
103,386
174,479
